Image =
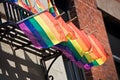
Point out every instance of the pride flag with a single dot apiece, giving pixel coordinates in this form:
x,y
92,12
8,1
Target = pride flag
x,y
84,42
80,47
85,51
47,33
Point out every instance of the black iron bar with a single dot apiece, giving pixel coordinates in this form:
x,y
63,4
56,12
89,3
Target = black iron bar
x,y
6,10
32,52
51,66
14,14
10,11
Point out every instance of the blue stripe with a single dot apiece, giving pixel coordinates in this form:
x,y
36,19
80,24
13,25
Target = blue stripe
x,y
35,33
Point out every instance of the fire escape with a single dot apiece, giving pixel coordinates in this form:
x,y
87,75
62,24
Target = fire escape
x,y
12,35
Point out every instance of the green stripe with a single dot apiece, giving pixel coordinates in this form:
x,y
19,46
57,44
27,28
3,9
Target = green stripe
x,y
41,32
84,59
74,51
95,63
51,10
88,60
26,1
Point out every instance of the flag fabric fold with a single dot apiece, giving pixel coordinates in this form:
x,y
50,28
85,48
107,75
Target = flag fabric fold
x,y
81,49
48,33
100,49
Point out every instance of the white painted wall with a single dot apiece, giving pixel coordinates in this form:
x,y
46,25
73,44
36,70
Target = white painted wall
x,y
27,65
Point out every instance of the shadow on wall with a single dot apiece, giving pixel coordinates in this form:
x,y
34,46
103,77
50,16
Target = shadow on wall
x,y
13,67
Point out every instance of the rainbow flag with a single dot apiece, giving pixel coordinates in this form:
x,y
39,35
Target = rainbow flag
x,y
81,46
48,33
85,51
92,52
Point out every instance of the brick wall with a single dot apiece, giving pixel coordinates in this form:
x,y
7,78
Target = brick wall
x,y
89,16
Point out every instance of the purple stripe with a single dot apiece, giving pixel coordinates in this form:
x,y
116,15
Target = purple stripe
x,y
28,33
71,57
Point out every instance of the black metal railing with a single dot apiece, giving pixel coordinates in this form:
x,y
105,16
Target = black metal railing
x,y
14,12
11,34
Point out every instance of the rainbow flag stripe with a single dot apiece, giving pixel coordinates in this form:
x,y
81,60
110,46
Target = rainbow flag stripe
x,y
13,1
51,8
30,35
22,4
100,50
48,33
69,33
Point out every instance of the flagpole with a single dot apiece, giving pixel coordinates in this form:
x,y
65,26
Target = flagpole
x,y
72,19
31,16
60,14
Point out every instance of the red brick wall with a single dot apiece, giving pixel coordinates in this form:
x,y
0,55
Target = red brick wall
x,y
90,16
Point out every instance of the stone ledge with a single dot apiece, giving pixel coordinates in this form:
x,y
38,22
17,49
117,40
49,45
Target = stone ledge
x,y
112,7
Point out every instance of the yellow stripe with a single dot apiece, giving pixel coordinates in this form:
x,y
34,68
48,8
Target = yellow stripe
x,y
77,47
80,50
89,58
51,25
100,61
90,53
47,30
98,49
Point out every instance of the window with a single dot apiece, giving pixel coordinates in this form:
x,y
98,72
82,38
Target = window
x,y
113,26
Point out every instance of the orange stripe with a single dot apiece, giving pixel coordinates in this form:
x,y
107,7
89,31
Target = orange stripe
x,y
51,25
57,26
23,5
40,5
83,39
69,33
98,47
